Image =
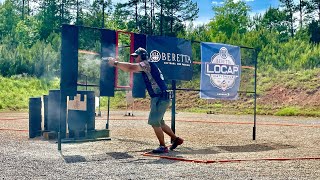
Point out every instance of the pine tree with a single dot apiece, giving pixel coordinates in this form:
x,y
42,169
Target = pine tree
x,y
9,18
315,6
162,17
304,12
290,9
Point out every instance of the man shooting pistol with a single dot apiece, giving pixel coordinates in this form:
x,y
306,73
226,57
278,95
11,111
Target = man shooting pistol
x,y
158,91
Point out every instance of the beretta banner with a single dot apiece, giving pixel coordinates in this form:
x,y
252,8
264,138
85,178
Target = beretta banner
x,y
172,55
220,71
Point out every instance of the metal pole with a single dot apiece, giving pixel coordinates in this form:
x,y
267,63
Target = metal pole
x,y
62,12
108,114
161,16
59,133
255,95
86,82
99,111
63,118
103,6
77,21
173,111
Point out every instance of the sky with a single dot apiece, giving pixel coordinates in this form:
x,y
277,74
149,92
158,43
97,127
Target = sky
x,y
257,7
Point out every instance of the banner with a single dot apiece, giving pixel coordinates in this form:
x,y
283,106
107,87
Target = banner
x,y
138,85
69,60
107,72
220,71
172,55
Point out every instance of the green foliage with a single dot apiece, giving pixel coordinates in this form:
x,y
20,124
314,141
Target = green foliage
x,y
41,59
287,111
289,9
295,111
295,54
26,32
229,18
164,17
8,18
118,101
306,80
16,91
30,38
314,28
49,18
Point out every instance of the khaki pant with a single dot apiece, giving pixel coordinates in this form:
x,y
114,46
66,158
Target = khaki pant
x,y
158,107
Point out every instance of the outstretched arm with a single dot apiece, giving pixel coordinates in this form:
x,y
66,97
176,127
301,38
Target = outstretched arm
x,y
125,66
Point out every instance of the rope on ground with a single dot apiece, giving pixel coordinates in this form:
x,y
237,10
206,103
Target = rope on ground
x,y
229,160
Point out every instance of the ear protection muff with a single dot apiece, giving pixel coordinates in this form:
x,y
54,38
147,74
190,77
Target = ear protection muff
x,y
144,56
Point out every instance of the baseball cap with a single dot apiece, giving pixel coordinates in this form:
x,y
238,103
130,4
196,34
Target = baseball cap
x,y
139,51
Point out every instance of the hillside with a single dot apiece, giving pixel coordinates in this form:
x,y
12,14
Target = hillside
x,y
279,93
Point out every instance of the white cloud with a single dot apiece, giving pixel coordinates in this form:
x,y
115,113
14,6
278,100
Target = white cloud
x,y
235,1
216,3
118,1
258,12
200,21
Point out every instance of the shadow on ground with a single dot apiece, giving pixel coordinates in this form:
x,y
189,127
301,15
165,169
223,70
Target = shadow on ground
x,y
255,147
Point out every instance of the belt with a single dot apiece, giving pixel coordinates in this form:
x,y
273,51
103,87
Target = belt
x,y
164,95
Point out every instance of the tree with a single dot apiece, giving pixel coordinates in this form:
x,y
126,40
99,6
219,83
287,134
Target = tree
x,y
315,5
174,13
49,17
26,32
164,17
96,13
229,18
314,31
304,11
275,20
289,9
8,18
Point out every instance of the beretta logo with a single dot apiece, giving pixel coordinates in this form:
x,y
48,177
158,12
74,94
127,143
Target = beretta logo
x,y
155,56
170,58
222,70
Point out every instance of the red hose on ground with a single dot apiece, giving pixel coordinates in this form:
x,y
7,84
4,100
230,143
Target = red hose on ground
x,y
12,119
229,160
21,130
222,122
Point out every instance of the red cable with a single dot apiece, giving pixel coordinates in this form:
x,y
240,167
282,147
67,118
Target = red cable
x,y
229,160
22,130
9,119
223,122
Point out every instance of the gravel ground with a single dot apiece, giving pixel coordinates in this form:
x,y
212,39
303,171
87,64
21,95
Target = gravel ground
x,y
207,138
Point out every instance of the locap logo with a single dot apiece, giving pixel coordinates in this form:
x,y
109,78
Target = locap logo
x,y
155,56
222,70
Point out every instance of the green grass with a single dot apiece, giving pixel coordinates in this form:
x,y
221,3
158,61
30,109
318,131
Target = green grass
x,y
304,79
288,111
296,111
116,102
16,91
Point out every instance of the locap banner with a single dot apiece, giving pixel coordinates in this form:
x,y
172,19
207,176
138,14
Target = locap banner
x,y
220,71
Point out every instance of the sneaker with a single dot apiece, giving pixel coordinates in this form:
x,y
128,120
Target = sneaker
x,y
178,141
160,149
